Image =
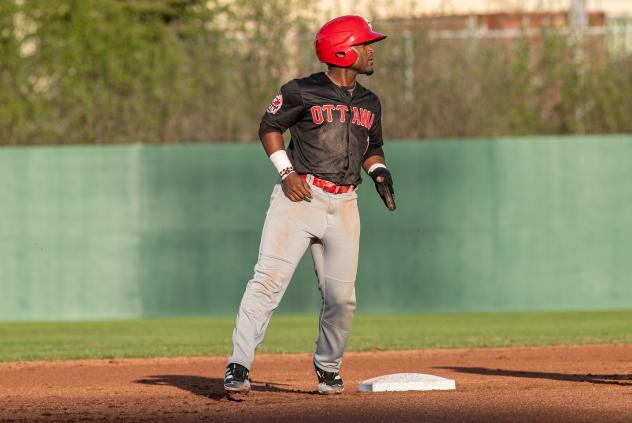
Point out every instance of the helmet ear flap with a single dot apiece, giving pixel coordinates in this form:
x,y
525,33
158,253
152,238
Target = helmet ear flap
x,y
349,58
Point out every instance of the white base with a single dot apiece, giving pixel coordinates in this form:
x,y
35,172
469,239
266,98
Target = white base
x,y
406,382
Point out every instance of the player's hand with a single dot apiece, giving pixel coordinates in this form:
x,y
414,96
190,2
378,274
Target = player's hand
x,y
296,188
384,186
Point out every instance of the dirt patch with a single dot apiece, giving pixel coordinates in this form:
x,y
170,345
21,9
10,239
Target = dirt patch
x,y
570,383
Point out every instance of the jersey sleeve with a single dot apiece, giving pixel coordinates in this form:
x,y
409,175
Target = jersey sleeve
x,y
285,110
375,136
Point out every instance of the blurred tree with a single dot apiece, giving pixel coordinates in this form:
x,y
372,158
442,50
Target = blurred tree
x,y
120,71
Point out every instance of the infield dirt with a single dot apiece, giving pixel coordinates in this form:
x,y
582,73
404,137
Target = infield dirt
x,y
558,384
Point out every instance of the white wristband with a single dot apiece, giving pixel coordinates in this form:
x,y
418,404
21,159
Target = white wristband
x,y
375,166
280,160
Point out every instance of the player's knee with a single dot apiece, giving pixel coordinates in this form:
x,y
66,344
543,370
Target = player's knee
x,y
345,312
339,301
340,314
265,285
273,269
268,280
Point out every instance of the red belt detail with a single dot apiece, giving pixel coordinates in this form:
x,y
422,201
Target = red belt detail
x,y
329,186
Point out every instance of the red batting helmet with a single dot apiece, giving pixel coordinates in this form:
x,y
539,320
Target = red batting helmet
x,y
334,40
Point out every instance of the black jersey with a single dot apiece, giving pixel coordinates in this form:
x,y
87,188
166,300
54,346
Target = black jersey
x,y
332,131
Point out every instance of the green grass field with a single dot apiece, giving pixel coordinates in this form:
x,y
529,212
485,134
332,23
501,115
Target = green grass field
x,y
287,334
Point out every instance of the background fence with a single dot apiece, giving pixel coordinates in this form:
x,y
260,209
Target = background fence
x,y
131,231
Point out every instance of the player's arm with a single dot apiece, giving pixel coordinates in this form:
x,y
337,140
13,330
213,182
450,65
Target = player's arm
x,y
373,160
375,165
377,170
295,187
286,108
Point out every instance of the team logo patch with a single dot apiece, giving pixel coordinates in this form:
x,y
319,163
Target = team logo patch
x,y
276,104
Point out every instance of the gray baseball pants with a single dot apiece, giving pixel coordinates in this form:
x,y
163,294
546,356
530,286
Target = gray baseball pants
x,y
330,226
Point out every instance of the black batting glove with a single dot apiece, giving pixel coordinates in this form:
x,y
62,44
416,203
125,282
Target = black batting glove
x,y
384,187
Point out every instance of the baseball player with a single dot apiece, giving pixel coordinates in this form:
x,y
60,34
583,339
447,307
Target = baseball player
x,y
336,130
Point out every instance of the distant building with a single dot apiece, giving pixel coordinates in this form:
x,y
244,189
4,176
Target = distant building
x,y
381,9
501,24
608,22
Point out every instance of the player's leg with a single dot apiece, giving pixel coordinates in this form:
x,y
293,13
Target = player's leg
x,y
285,237
328,382
336,261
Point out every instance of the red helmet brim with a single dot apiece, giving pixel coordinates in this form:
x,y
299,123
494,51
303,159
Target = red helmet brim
x,y
369,38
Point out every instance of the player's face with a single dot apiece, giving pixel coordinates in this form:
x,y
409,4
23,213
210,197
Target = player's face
x,y
364,62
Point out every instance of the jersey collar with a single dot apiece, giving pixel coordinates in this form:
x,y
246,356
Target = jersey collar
x,y
341,90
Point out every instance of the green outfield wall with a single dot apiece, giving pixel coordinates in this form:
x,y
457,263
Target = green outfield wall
x,y
132,231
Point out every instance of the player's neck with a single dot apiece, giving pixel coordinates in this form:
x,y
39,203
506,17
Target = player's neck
x,y
343,77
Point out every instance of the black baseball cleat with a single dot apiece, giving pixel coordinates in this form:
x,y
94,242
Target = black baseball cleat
x,y
329,382
236,379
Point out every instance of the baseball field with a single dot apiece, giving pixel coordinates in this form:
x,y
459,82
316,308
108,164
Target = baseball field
x,y
166,164
513,367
